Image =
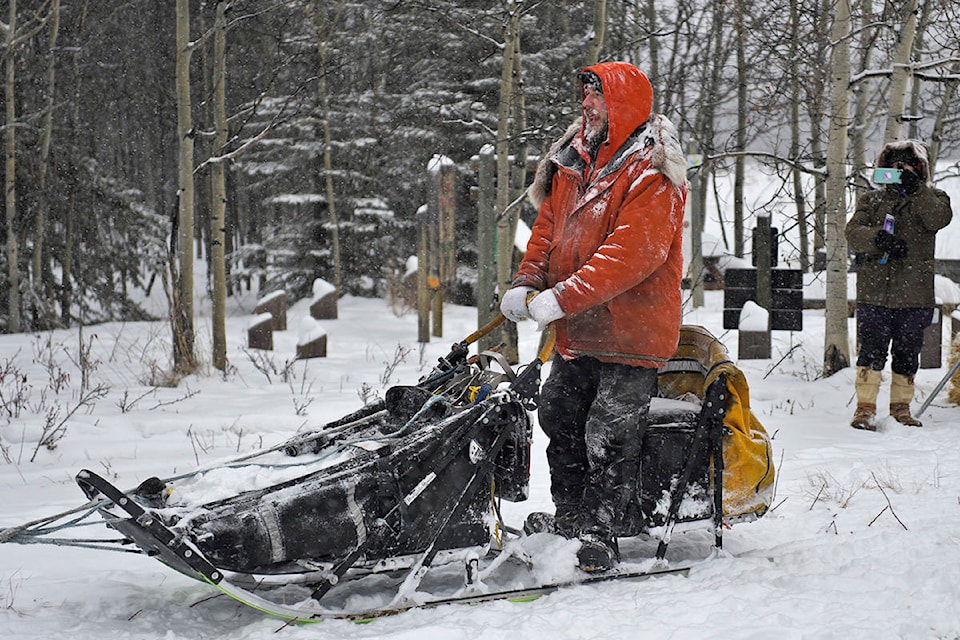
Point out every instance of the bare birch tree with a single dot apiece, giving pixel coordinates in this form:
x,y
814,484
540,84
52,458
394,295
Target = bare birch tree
x,y
949,94
836,351
14,35
218,213
901,73
10,180
595,44
182,285
799,197
741,133
506,219
46,136
322,35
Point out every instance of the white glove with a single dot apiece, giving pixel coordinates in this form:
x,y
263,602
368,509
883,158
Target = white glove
x,y
514,303
544,308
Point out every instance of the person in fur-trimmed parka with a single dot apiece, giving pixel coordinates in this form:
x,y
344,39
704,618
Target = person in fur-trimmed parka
x,y
604,260
895,299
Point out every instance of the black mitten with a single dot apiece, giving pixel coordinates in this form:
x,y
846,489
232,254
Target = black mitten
x,y
894,246
909,180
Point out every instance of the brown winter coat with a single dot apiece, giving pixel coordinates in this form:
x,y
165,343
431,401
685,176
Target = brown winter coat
x,y
908,282
607,238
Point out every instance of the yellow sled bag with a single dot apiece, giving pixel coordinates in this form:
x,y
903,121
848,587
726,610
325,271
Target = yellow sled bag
x,y
748,471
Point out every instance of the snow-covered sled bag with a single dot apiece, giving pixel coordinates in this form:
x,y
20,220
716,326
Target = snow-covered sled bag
x,y
388,499
748,471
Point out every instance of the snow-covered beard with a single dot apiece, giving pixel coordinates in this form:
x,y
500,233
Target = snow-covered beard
x,y
594,136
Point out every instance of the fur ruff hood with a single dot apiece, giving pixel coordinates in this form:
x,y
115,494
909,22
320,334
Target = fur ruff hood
x,y
901,149
666,156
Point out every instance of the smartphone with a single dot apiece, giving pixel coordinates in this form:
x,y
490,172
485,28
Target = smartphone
x,y
885,175
888,223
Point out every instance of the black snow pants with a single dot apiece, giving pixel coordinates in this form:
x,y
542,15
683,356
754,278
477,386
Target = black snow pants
x,y
594,414
900,331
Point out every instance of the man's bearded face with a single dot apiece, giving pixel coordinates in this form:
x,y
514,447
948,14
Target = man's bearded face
x,y
594,116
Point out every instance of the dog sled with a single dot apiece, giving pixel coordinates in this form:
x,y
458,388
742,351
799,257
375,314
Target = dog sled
x,y
411,487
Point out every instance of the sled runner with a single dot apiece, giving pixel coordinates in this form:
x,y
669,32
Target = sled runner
x,y
399,496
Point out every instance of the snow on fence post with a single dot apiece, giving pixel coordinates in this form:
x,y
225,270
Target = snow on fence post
x,y
260,332
324,304
312,341
276,304
754,332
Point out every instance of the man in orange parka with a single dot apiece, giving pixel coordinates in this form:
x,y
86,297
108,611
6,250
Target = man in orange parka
x,y
604,259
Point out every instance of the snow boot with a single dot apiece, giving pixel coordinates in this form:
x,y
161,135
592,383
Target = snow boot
x,y
563,524
901,393
867,385
900,412
865,417
597,553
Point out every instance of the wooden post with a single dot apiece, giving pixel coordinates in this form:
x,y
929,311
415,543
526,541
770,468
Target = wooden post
x,y
446,218
695,220
931,354
423,291
487,306
441,238
764,265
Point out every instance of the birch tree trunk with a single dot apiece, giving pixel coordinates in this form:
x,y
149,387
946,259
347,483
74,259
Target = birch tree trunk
x,y
218,187
916,97
506,220
936,134
817,113
901,73
10,179
69,214
182,289
836,353
595,44
321,38
740,162
40,222
650,13
799,197
861,98
328,181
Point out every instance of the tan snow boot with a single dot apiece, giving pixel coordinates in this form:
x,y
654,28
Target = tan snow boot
x,y
901,393
865,417
867,386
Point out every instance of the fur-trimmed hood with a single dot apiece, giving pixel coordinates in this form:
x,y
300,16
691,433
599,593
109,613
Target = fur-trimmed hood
x,y
911,152
658,133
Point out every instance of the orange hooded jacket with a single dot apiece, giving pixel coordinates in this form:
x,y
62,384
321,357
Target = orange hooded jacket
x,y
608,234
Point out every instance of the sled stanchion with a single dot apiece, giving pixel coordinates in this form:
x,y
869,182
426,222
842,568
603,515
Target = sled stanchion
x,y
717,439
452,363
527,384
485,329
447,367
338,572
713,409
549,341
938,388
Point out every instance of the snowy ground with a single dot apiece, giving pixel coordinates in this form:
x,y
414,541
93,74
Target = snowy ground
x,y
864,541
